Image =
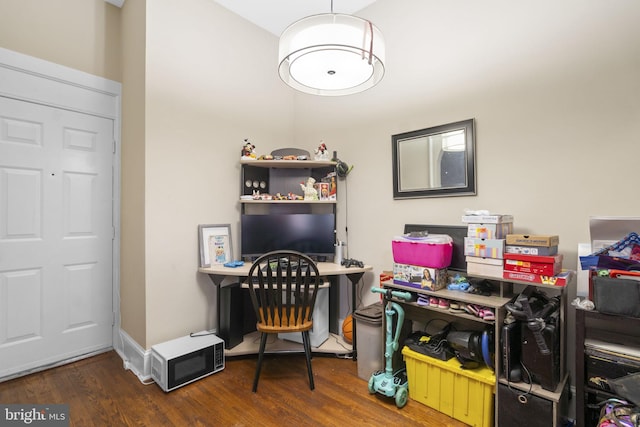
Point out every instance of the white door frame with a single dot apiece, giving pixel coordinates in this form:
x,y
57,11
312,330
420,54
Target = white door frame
x,y
30,79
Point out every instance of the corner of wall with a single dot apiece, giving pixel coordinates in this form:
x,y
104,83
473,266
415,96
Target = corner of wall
x,y
135,358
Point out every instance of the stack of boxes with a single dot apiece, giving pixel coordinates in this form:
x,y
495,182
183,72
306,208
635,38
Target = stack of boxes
x,y
533,258
484,246
491,250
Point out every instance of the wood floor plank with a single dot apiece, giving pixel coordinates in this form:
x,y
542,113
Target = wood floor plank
x,y
101,393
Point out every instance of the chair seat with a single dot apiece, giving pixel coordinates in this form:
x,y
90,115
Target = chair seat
x,y
270,329
276,324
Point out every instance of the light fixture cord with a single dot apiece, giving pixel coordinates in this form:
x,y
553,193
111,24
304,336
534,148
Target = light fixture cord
x,y
368,25
371,42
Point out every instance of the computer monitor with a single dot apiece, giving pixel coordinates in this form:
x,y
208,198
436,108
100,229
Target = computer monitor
x,y
311,234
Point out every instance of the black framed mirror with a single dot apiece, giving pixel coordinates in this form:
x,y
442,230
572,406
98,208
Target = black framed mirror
x,y
435,162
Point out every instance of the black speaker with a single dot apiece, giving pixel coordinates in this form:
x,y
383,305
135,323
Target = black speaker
x,y
542,367
511,346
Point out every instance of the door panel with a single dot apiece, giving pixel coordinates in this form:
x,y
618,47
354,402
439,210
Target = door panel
x,y
56,234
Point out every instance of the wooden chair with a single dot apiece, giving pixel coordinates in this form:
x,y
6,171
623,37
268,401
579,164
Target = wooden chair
x,y
283,286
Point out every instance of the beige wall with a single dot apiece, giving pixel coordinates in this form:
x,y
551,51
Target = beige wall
x,y
210,83
555,94
553,89
133,303
81,34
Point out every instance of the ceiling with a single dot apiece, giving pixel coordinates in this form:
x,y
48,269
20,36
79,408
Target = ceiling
x,y
276,15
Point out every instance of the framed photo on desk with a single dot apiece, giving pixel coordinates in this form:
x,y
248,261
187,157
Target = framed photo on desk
x,y
215,244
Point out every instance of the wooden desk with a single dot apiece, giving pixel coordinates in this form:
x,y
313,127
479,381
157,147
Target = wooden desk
x,y
217,274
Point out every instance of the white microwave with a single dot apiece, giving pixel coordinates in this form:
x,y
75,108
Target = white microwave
x,y
186,359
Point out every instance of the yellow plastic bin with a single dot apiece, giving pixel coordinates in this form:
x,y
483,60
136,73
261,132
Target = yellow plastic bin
x,y
464,394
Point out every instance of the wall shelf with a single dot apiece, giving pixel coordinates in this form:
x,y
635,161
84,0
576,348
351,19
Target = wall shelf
x,y
289,164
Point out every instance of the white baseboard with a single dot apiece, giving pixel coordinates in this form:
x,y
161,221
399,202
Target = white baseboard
x,y
135,358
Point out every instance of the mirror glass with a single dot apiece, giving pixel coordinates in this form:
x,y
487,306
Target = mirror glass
x,y
435,162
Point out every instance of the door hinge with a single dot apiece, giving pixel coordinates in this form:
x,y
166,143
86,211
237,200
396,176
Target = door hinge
x,y
113,233
114,146
113,318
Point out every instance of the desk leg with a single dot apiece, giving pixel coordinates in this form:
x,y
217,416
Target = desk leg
x,y
354,278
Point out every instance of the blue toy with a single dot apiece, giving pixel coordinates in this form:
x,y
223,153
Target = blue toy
x,y
386,382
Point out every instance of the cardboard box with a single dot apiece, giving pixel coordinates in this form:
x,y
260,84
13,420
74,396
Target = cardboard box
x,y
488,267
489,231
560,280
486,219
531,250
544,265
484,248
419,277
532,240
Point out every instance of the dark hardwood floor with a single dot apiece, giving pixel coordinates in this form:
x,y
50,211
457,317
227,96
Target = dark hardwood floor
x,y
100,392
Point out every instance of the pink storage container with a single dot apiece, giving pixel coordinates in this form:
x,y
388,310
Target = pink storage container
x,y
433,250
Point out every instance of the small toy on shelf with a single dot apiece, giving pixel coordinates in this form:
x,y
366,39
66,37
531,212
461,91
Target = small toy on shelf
x,y
247,150
310,193
321,152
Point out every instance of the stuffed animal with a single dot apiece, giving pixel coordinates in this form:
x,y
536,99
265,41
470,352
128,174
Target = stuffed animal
x,y
321,152
247,150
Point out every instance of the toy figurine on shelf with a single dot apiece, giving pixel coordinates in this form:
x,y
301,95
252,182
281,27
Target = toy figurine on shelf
x,y
310,192
247,150
321,152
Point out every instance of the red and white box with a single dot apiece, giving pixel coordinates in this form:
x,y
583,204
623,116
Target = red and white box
x,y
561,279
434,250
544,265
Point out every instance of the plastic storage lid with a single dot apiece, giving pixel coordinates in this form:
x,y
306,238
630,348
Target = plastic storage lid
x,y
371,312
439,239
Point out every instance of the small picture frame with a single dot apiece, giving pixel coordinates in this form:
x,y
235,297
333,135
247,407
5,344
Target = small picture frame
x,y
215,244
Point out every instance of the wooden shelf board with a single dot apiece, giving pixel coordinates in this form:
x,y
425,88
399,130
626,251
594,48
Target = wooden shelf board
x,y
288,164
537,390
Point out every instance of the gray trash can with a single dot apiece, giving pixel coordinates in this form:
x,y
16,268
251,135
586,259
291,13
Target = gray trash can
x,y
369,344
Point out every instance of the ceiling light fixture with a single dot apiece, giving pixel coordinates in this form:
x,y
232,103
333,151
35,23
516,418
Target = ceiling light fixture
x,y
331,54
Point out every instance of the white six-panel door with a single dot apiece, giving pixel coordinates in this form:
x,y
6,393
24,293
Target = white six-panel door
x,y
56,234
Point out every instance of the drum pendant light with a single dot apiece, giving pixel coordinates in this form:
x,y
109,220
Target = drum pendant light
x,y
331,54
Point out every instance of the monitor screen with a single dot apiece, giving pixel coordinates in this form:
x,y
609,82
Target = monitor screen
x,y
457,233
311,234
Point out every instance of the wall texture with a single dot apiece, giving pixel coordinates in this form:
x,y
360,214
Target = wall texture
x,y
81,34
